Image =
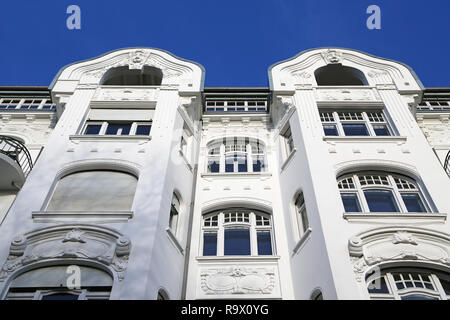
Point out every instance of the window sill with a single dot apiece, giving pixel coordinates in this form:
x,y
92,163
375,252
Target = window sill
x,y
288,159
174,240
95,137
98,216
398,217
236,174
215,259
384,139
302,241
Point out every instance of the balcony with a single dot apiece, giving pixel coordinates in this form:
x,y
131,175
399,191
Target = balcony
x,y
15,163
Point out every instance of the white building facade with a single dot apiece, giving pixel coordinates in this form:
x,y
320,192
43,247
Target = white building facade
x,y
147,185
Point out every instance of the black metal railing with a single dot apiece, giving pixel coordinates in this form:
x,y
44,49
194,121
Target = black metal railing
x,y
446,163
17,151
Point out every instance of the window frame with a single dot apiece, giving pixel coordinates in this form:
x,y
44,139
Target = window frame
x,y
251,225
301,215
332,117
105,123
392,186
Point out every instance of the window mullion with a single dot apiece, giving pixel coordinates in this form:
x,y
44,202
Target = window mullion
x,y
253,235
397,194
220,235
222,158
438,286
338,124
392,286
103,128
368,124
362,197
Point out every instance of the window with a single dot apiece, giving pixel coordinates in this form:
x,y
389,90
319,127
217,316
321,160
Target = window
x,y
186,143
354,123
50,283
233,155
118,128
162,295
300,215
380,192
339,75
409,284
174,213
97,190
288,141
28,104
236,106
237,232
124,76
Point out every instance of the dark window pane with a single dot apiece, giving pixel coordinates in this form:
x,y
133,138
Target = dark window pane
x,y
210,244
213,166
143,130
446,286
113,129
264,243
93,129
413,202
242,164
351,203
378,286
258,165
330,130
380,201
381,130
60,296
237,242
418,297
355,130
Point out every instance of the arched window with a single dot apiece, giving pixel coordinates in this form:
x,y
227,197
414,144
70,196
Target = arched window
x,y
96,190
124,76
237,231
236,155
375,191
162,295
317,295
409,284
339,75
51,283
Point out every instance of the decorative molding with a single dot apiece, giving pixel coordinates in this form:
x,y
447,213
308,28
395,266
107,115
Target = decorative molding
x,y
332,56
128,94
348,94
237,280
95,244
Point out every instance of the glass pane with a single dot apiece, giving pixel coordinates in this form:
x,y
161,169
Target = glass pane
x,y
380,201
213,166
264,243
93,129
113,129
446,285
350,201
237,241
330,130
229,164
381,130
418,297
242,164
60,296
143,130
378,286
413,202
210,244
355,129
258,165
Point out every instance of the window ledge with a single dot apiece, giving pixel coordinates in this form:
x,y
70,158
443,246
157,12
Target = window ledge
x,y
401,217
365,139
174,240
288,159
236,174
302,241
95,137
214,259
107,216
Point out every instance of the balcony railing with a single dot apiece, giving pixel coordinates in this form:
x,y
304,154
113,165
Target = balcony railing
x,y
17,151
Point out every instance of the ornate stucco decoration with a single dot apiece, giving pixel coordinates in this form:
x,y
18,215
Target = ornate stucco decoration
x,y
384,245
119,94
354,94
332,56
94,244
237,280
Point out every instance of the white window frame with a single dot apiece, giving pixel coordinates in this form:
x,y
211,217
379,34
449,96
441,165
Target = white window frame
x,y
288,144
104,126
251,225
391,185
396,294
331,117
174,219
240,148
301,215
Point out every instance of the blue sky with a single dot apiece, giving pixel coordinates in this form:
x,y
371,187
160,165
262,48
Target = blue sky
x,y
236,41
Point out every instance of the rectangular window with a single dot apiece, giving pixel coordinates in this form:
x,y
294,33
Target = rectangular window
x,y
237,241
351,203
210,244
214,165
93,129
264,243
118,129
413,202
143,130
354,123
380,201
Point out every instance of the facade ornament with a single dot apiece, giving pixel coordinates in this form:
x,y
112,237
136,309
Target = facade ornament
x,y
376,74
332,56
303,74
404,237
